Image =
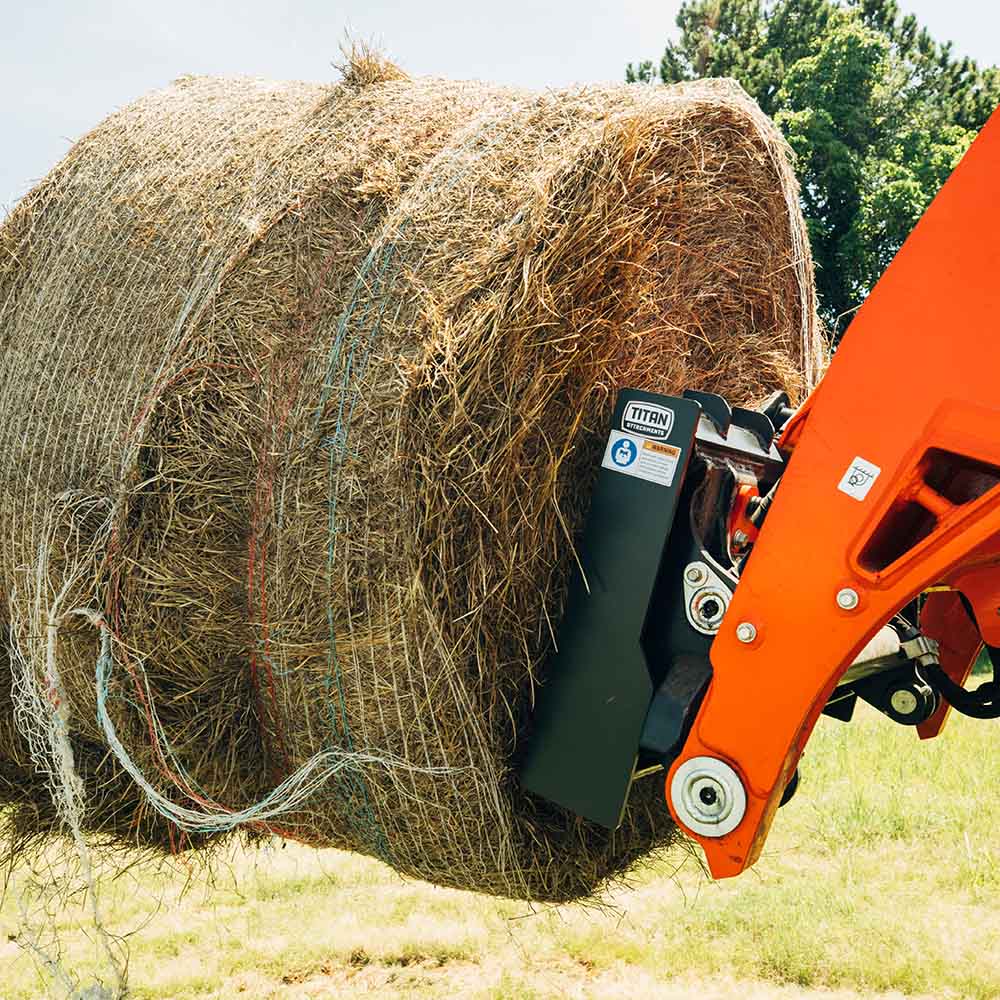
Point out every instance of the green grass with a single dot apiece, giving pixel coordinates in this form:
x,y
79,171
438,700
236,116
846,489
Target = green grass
x,y
880,878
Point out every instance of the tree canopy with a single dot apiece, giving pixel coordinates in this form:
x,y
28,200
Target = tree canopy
x,y
877,112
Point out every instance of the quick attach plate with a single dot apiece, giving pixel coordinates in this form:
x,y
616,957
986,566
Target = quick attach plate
x,y
598,686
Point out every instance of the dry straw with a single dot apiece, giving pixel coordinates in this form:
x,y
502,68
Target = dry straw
x,y
302,393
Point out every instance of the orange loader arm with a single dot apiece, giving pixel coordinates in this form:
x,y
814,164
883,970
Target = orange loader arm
x,y
891,490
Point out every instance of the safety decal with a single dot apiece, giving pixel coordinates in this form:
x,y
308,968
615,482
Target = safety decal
x,y
859,478
637,456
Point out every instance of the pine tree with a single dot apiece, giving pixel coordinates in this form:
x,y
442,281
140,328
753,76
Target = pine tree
x,y
877,112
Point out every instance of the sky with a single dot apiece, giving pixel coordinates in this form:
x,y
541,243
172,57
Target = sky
x,y
66,64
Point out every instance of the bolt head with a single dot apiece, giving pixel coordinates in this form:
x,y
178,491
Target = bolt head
x,y
847,599
904,701
695,574
746,632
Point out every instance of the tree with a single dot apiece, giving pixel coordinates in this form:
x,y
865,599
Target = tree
x,y
876,111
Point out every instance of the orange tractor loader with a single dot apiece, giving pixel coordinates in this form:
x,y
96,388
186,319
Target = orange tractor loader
x,y
744,571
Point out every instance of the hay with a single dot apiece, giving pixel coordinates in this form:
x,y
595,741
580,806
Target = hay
x,y
302,394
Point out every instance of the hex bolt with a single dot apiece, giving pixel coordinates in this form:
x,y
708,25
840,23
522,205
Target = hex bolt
x,y
695,574
746,632
847,599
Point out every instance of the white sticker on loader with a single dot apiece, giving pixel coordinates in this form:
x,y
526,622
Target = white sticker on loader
x,y
859,478
632,455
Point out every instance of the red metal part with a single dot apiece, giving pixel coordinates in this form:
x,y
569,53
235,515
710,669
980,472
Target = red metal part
x,y
911,393
944,618
742,531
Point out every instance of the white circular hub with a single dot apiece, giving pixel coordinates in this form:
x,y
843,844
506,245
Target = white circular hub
x,y
708,606
904,702
708,796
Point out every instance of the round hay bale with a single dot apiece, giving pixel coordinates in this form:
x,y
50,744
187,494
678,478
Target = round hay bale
x,y
302,397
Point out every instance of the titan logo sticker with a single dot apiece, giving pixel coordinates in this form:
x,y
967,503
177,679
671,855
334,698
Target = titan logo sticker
x,y
648,419
859,478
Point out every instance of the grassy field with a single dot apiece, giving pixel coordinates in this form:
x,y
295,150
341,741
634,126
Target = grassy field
x,y
880,879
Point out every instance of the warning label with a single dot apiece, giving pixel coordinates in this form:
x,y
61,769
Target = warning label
x,y
632,455
859,478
